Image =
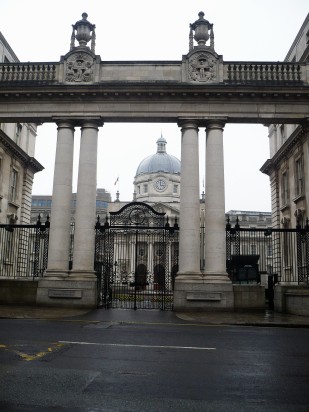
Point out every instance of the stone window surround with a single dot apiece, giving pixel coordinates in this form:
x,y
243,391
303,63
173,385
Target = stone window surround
x,y
299,176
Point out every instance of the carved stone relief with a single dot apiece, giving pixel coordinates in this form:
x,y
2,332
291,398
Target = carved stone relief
x,y
79,68
202,67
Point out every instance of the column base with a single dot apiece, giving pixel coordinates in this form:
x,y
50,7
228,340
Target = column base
x,y
83,275
67,293
56,274
203,293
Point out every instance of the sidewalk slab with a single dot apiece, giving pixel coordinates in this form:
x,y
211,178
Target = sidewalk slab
x,y
264,318
261,318
38,312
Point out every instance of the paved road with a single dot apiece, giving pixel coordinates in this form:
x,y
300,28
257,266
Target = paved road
x,y
151,363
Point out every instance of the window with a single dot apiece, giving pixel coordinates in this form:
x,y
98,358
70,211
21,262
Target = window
x,y
1,172
285,188
282,133
18,130
253,249
101,204
139,190
41,202
145,188
158,250
13,185
175,189
299,176
269,249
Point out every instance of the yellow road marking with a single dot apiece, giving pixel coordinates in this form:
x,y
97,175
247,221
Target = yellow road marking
x,y
27,357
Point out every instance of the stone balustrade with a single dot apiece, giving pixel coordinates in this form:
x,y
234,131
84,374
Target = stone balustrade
x,y
27,72
243,72
233,72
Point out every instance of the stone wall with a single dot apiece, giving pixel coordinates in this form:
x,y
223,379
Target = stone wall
x,y
18,292
292,299
249,297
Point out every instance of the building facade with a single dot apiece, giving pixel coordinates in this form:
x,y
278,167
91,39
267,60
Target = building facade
x,y
17,162
288,170
41,205
288,165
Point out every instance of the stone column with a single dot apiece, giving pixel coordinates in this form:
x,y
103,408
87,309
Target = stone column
x,y
84,236
215,248
59,238
189,236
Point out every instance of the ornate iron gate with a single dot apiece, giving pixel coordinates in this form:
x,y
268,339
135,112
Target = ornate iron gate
x,y
136,258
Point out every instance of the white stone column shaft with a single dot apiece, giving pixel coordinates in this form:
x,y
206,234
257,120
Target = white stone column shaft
x,y
59,239
215,244
84,236
189,236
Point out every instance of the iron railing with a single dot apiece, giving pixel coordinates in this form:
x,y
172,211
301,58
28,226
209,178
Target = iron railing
x,y
281,253
24,250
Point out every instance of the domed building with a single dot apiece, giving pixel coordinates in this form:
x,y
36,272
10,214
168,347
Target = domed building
x,y
157,177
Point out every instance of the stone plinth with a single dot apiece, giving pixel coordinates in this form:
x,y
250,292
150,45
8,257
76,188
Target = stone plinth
x,y
292,299
249,296
67,293
196,293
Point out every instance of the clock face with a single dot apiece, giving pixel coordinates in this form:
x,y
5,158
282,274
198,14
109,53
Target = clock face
x,y
160,185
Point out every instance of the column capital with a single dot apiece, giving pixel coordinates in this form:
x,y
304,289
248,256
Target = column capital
x,y
215,124
188,124
64,123
92,123
79,122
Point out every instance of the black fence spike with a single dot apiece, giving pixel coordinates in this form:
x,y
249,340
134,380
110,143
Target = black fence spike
x,y
167,225
106,224
228,223
47,223
176,223
98,223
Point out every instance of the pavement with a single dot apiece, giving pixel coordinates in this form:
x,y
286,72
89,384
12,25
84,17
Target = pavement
x,y
248,318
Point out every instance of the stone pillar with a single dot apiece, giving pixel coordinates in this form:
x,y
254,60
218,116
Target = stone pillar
x,y
215,245
189,236
210,290
85,215
59,238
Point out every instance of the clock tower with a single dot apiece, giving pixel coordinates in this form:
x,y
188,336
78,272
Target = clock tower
x,y
157,177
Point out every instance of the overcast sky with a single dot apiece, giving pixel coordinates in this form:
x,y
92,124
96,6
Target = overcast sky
x,y
261,30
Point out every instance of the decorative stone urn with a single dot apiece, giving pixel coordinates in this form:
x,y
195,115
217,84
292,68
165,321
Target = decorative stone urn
x,y
201,27
83,32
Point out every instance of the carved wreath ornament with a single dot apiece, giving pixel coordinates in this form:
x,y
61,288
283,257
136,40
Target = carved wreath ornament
x,y
202,67
79,68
